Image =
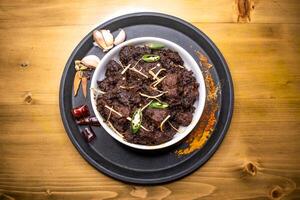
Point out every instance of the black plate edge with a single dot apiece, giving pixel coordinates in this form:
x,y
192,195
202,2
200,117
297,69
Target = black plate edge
x,y
201,161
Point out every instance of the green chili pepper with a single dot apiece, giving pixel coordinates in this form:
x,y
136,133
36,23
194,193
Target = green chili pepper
x,y
150,58
136,121
156,104
155,45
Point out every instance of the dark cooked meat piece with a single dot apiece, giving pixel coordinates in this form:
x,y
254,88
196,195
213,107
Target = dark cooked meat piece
x,y
170,84
170,81
109,83
146,138
156,115
135,88
184,118
131,52
190,94
187,77
124,97
123,110
112,68
169,57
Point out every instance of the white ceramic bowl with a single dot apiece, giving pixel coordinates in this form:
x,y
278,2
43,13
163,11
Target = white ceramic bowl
x,y
189,63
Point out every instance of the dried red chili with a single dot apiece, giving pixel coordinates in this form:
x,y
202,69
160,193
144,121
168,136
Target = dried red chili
x,y
80,111
88,134
93,121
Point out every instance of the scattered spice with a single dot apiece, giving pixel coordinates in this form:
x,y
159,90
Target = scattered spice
x,y
199,137
84,85
82,67
203,60
76,84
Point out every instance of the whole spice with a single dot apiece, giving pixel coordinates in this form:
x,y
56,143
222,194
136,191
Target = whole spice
x,y
155,45
80,112
84,85
136,121
88,134
150,58
93,121
79,66
159,105
76,84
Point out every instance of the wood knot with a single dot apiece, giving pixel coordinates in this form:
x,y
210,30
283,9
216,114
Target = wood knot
x,y
140,192
28,98
276,192
6,197
250,168
24,64
244,8
48,192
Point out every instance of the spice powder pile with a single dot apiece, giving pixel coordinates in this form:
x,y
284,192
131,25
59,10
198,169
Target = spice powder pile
x,y
208,120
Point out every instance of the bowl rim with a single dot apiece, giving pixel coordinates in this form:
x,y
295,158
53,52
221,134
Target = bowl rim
x,y
194,67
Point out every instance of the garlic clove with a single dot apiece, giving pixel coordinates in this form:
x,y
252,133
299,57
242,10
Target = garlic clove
x,y
99,39
108,39
95,44
91,61
120,37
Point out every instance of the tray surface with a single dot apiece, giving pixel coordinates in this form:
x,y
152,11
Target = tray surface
x,y
140,167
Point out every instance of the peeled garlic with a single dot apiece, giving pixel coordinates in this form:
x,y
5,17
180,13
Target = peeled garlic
x,y
108,38
95,44
97,35
90,61
120,37
104,39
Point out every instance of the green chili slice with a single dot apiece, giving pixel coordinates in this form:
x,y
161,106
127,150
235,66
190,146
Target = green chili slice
x,y
155,45
150,58
160,105
136,121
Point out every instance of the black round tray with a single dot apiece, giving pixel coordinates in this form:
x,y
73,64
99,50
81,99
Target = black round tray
x,y
140,167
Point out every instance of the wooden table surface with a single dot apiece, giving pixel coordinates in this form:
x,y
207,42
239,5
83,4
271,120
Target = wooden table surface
x,y
259,158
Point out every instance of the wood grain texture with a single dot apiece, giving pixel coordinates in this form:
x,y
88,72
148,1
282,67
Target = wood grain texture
x,y
259,158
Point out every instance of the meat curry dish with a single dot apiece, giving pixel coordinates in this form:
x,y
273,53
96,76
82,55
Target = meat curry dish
x,y
147,94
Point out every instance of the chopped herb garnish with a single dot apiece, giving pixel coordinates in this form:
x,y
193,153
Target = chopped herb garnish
x,y
150,58
136,121
155,45
159,105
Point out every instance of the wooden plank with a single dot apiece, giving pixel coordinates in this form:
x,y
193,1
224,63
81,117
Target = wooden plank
x,y
40,162
48,13
259,156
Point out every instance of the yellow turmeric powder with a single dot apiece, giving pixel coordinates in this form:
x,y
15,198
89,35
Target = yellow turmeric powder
x,y
198,138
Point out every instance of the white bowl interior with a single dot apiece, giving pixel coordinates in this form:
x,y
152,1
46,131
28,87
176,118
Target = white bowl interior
x,y
189,63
